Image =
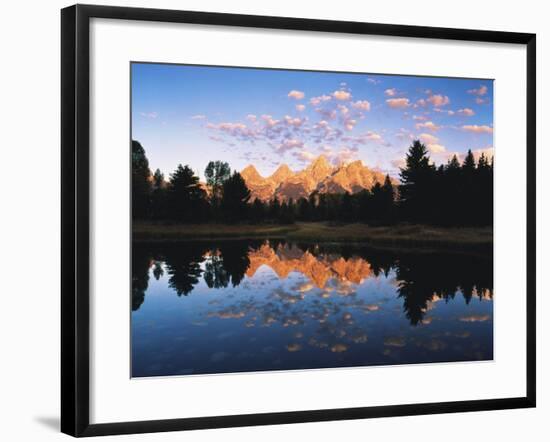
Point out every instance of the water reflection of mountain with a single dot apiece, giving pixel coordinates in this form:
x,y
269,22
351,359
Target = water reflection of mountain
x,y
420,278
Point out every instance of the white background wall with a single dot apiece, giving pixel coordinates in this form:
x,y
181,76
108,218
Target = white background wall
x,y
29,233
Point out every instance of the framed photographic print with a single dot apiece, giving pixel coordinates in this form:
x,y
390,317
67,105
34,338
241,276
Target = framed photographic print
x,y
274,220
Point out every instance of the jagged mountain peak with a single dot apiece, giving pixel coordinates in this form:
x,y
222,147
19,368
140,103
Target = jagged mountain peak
x,y
281,174
319,175
251,173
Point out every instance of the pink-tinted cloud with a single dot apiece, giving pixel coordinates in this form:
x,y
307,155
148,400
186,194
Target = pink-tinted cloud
x,y
316,101
430,125
444,111
338,156
363,105
399,163
480,100
398,103
481,90
419,117
488,151
467,112
269,120
341,95
300,107
350,124
304,156
297,95
295,122
392,92
344,110
428,138
251,117
373,136
436,148
290,144
483,129
421,102
438,100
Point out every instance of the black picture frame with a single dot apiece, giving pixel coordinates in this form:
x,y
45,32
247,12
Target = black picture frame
x,y
75,211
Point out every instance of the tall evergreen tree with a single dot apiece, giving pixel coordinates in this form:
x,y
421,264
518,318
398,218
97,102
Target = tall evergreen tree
x,y
235,196
141,181
417,180
388,198
158,196
187,200
274,209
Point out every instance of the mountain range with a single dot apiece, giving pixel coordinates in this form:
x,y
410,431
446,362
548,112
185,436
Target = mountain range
x,y
319,176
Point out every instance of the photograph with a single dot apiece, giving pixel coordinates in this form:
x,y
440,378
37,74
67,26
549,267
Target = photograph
x,y
298,220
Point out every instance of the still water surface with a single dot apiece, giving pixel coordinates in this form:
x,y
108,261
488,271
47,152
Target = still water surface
x,y
200,307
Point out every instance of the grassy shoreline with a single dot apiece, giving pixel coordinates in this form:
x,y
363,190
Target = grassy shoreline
x,y
398,236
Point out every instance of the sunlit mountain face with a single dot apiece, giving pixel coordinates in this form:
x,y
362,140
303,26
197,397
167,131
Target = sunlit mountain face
x,y
202,307
319,176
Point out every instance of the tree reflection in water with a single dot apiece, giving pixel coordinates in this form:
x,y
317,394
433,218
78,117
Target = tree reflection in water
x,y
421,278
269,305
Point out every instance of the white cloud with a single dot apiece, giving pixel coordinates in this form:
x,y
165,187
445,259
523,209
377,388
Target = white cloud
x,y
391,92
198,117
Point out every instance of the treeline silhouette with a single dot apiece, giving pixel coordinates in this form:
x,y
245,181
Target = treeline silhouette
x,y
419,276
454,194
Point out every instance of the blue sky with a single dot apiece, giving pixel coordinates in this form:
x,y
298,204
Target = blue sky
x,y
194,114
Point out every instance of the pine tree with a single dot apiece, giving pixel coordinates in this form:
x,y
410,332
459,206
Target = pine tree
x,y
417,179
235,196
274,208
158,179
158,196
388,201
346,210
141,184
187,199
257,211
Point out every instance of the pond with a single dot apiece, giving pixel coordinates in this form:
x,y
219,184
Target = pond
x,y
242,306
